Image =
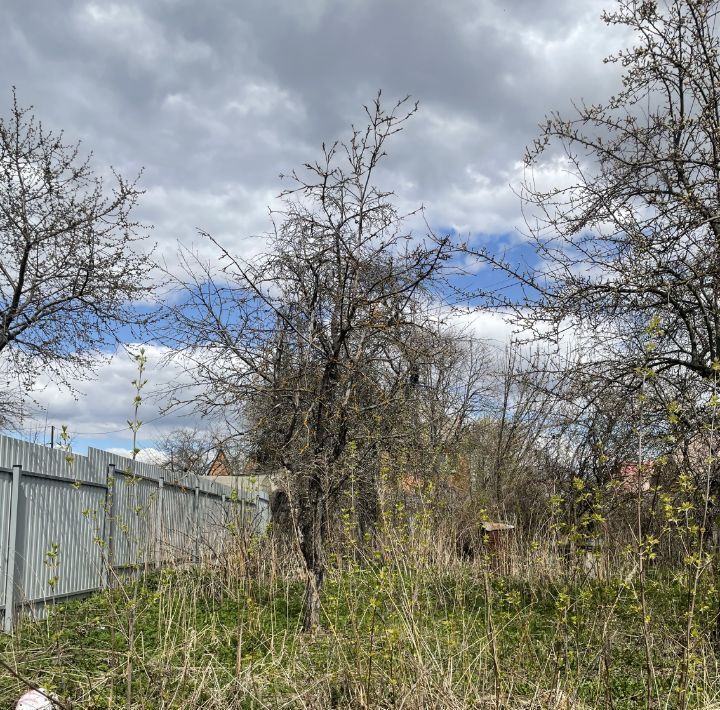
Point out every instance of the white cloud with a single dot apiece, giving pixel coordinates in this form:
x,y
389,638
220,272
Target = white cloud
x,y
98,412
149,455
216,99
489,327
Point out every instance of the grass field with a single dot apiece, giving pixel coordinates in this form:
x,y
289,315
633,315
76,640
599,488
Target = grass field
x,y
399,630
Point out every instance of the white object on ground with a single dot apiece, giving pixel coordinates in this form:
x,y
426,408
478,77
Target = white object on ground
x,y
35,700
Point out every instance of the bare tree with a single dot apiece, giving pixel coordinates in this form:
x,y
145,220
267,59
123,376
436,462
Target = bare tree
x,y
72,267
188,451
506,444
628,246
632,239
455,386
316,344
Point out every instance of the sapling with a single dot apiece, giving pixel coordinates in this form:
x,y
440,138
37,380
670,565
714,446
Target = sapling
x,y
641,543
140,359
66,444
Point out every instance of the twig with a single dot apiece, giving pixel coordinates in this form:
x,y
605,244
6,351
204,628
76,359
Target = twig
x,y
32,685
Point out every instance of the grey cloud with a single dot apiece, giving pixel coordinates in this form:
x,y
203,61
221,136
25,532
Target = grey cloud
x,y
216,99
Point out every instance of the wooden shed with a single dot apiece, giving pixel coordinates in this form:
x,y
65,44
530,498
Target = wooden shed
x,y
498,536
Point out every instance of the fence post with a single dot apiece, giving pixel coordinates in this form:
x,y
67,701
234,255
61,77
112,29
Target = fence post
x,y
196,515
158,522
11,559
242,504
223,521
109,526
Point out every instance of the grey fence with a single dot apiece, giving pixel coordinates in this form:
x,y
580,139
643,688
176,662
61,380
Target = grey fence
x,y
69,524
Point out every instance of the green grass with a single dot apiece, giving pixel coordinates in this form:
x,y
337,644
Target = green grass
x,y
398,635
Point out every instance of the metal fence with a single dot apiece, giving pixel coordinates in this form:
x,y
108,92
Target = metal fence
x,y
70,523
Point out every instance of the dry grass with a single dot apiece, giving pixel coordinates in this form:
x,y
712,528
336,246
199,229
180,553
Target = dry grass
x,y
406,624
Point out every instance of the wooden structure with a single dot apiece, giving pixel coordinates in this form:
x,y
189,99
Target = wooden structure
x,y
497,539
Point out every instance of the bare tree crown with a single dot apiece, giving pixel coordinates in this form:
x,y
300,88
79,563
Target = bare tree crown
x,y
72,265
632,236
325,345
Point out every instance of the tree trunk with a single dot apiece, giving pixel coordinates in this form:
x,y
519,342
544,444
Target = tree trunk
x,y
311,603
312,530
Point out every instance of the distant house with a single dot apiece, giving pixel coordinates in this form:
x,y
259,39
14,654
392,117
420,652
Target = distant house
x,y
237,473
696,455
220,465
634,476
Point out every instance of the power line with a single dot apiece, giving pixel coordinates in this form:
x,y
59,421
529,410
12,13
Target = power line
x,y
35,429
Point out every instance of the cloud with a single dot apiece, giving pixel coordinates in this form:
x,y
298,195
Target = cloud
x,y
487,327
216,100
98,413
148,455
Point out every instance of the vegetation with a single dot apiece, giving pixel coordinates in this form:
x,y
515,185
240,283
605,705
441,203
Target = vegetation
x,y
410,626
394,440
321,347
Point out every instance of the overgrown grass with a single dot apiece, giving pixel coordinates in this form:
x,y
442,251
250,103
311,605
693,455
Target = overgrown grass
x,y
399,631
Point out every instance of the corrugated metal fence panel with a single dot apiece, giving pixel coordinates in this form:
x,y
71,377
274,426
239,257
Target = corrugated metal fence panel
x,y
183,478
212,487
178,522
254,515
5,490
135,514
263,513
100,459
212,525
52,462
245,486
62,521
60,525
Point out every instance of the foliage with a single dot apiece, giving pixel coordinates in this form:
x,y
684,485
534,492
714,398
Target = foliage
x,y
399,629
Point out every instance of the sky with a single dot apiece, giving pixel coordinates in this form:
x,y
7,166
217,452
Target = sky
x,y
213,100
